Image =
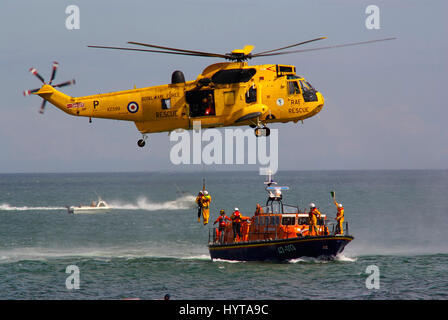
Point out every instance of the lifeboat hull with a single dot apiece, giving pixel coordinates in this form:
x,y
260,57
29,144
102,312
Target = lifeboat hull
x,y
324,247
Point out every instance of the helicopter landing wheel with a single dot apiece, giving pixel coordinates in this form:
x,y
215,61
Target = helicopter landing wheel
x,y
267,131
141,143
263,131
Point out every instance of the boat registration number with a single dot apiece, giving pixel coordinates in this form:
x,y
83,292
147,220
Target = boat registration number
x,y
286,249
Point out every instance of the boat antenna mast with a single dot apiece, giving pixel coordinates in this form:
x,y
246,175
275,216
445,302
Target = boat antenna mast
x,y
274,191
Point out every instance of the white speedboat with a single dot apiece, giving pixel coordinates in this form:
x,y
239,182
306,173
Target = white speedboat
x,y
95,207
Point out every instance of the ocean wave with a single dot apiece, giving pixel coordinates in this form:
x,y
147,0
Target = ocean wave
x,y
103,254
344,258
339,257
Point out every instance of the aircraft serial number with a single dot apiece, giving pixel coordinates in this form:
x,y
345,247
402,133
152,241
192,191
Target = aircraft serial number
x,y
113,109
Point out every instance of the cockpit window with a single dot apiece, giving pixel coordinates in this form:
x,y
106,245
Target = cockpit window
x,y
293,87
309,93
233,76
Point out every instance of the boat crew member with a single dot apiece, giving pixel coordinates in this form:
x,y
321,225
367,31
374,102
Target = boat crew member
x,y
199,203
236,218
206,207
313,215
339,218
222,223
258,210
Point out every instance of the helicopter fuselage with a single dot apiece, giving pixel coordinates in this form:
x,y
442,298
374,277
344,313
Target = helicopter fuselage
x,y
224,94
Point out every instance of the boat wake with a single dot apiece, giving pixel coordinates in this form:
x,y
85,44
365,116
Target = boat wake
x,y
181,203
340,257
343,258
8,207
184,202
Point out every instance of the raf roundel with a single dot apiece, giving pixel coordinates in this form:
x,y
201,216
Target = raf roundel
x,y
132,107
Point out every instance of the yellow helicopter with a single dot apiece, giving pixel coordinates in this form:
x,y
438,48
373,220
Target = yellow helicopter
x,y
230,93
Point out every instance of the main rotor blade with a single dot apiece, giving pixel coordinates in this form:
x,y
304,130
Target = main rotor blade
x,y
209,54
63,84
322,48
290,46
158,51
53,73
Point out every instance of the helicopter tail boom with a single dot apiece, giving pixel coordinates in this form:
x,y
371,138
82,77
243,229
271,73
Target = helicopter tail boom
x,y
57,98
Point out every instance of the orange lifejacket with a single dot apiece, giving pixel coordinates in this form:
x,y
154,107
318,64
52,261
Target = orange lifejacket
x,y
340,217
236,217
222,220
199,200
314,213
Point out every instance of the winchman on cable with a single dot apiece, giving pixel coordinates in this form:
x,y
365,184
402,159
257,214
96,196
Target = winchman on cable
x,y
199,203
205,201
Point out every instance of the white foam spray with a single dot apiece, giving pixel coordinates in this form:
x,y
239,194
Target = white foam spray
x,y
8,207
184,202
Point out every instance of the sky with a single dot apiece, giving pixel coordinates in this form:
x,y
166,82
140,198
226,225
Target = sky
x,y
384,102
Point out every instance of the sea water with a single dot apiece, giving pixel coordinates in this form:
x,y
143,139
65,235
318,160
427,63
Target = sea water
x,y
151,244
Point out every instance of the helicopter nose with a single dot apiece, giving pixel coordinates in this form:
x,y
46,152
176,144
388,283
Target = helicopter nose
x,y
320,98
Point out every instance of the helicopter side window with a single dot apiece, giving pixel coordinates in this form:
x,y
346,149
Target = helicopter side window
x,y
229,98
166,104
251,95
293,87
233,76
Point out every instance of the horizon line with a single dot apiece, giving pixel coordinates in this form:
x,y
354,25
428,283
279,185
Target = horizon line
x,y
215,171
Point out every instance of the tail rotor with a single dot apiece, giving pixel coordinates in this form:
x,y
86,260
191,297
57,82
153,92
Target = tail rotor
x,y
53,75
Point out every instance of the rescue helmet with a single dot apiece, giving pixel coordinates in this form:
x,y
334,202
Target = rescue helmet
x,y
340,205
200,192
236,209
312,205
222,211
206,192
